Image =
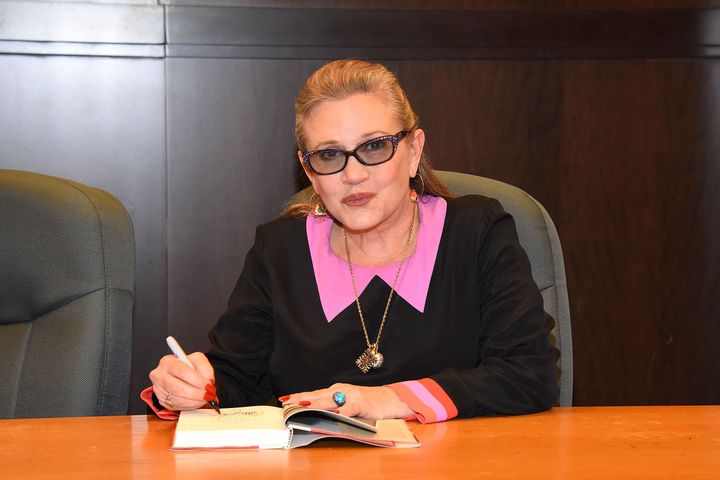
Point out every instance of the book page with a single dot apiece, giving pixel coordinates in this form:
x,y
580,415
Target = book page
x,y
241,427
397,431
390,433
260,417
297,413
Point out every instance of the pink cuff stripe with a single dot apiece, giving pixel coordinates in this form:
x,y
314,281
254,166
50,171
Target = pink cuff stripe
x,y
424,396
441,396
422,413
427,399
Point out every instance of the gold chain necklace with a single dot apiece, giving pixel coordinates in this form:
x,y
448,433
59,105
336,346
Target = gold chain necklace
x,y
371,358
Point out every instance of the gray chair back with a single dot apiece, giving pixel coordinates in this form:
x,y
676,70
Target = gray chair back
x,y
539,238
67,266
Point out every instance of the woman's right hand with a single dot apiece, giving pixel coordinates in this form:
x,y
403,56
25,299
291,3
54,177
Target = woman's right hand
x,y
179,387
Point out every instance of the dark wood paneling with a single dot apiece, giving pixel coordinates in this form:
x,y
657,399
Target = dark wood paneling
x,y
490,118
641,219
455,4
231,166
623,154
441,34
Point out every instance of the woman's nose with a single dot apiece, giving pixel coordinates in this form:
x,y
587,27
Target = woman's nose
x,y
355,172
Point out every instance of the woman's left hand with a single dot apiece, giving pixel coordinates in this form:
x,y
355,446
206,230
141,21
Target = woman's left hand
x,y
366,402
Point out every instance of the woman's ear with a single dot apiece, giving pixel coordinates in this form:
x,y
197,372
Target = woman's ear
x,y
417,143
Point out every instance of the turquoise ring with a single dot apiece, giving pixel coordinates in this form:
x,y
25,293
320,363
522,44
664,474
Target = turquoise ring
x,y
339,398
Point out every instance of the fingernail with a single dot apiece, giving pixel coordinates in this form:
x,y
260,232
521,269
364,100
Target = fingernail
x,y
284,398
209,396
210,388
304,403
336,411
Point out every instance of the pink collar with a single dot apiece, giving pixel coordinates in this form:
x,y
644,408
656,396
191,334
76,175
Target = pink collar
x,y
333,277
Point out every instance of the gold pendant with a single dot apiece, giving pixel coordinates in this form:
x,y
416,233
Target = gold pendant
x,y
377,360
370,359
364,361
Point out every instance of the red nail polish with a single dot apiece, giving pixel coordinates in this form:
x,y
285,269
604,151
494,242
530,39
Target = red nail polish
x,y
284,398
210,388
336,411
304,403
210,397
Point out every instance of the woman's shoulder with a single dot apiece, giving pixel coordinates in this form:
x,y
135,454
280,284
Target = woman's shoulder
x,y
474,207
474,218
281,229
283,222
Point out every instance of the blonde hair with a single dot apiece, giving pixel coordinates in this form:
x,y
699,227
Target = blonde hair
x,y
342,78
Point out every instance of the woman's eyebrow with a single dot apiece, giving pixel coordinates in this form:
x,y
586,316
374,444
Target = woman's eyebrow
x,y
336,144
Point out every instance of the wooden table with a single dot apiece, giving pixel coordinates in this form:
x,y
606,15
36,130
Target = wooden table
x,y
576,442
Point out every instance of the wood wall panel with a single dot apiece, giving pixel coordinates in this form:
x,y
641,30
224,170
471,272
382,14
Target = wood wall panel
x,y
231,166
493,118
467,5
623,155
637,146
297,33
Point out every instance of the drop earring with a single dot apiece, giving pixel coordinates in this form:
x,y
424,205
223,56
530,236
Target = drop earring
x,y
318,209
414,195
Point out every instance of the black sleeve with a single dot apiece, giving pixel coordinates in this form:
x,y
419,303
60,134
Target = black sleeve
x,y
516,371
242,340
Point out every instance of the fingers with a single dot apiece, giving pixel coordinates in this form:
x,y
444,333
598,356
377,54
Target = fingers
x,y
355,400
174,367
202,365
177,386
323,398
367,402
174,402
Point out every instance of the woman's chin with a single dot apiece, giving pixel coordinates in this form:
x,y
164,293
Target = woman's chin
x,y
356,223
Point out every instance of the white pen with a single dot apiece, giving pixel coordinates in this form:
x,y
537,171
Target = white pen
x,y
180,354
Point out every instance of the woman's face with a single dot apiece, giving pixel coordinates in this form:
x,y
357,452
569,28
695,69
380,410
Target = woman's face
x,y
362,198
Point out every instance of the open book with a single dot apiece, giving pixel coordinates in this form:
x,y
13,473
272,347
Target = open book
x,y
287,427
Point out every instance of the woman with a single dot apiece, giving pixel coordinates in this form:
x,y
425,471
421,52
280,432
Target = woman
x,y
383,297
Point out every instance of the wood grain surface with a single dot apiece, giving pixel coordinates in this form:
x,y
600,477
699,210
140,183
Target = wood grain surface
x,y
565,443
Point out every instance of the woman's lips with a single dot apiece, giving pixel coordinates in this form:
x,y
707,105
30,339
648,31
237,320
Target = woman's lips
x,y
357,199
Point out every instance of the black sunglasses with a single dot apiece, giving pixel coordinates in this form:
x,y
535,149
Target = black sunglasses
x,y
373,152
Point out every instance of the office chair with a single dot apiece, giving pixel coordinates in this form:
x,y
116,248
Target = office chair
x,y
539,238
67,266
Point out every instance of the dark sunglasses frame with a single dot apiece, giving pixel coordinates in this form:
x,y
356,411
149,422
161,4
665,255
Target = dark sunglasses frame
x,y
353,153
